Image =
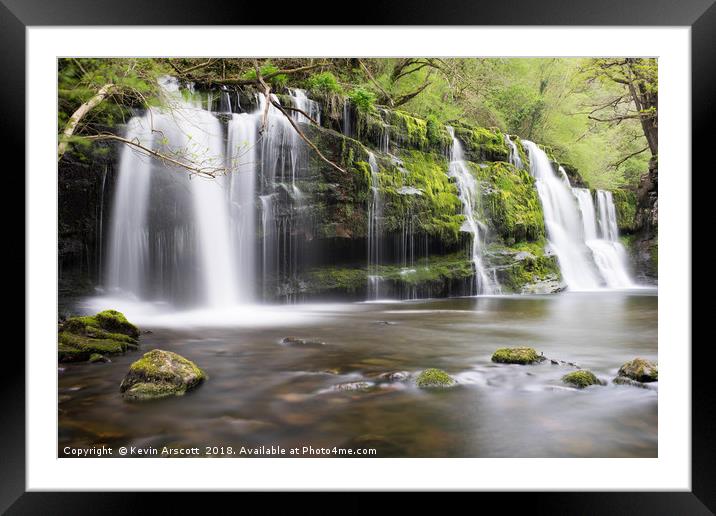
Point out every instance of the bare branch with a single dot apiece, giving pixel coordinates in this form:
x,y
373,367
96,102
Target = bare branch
x,y
615,165
208,172
79,114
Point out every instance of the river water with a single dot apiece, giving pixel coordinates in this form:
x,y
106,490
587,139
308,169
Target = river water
x,y
263,392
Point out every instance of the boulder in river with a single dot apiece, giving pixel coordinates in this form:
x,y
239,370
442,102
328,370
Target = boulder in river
x,y
159,374
430,378
516,356
106,333
581,379
640,370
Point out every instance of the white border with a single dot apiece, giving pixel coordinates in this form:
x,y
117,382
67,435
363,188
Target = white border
x,y
670,471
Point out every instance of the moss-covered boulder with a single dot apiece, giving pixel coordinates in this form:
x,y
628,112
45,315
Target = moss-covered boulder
x,y
160,374
640,370
115,322
79,348
521,356
581,379
434,378
106,333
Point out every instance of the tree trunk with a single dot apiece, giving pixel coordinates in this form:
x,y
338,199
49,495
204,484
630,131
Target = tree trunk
x,y
78,115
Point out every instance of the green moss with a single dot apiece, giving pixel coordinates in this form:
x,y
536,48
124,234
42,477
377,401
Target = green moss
x,y
436,211
409,131
438,136
640,370
521,356
72,347
510,203
431,378
522,264
581,379
324,83
107,332
481,144
625,206
115,322
159,374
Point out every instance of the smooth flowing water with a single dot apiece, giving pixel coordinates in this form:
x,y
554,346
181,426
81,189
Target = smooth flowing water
x,y
375,230
261,392
563,222
469,197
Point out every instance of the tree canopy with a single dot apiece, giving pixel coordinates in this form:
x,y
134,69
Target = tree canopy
x,y
599,115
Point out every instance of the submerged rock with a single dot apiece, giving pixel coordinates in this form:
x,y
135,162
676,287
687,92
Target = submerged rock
x,y
623,380
159,374
581,379
353,386
304,343
96,357
516,356
394,376
640,370
434,378
106,333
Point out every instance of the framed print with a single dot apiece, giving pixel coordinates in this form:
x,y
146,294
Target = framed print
x,y
360,258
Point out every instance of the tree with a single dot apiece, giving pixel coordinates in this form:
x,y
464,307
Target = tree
x,y
636,99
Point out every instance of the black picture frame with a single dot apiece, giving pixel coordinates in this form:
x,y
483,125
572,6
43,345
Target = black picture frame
x,y
700,15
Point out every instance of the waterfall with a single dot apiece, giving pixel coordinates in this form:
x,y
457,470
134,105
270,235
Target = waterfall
x,y
469,196
609,254
589,253
562,219
284,163
178,247
375,230
346,126
127,258
301,101
514,158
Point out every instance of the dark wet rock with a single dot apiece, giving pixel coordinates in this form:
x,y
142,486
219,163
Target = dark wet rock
x,y
159,374
303,343
387,323
623,380
548,285
96,357
521,356
147,332
555,362
394,376
640,370
434,378
581,379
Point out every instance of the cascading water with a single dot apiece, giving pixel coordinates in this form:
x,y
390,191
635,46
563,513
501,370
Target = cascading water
x,y
284,162
468,194
514,158
375,232
590,254
157,249
563,222
609,254
128,246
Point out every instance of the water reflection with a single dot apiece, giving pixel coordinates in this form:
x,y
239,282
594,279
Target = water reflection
x,y
263,392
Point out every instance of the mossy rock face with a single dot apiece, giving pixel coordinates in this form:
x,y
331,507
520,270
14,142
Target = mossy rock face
x,y
521,356
160,374
434,378
640,370
581,379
